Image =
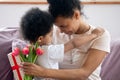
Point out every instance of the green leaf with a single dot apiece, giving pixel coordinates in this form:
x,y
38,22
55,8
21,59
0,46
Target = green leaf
x,y
30,55
22,57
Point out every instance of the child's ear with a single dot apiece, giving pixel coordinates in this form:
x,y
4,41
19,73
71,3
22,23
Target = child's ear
x,y
40,39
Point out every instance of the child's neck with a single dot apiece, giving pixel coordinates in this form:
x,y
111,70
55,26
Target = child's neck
x,y
46,44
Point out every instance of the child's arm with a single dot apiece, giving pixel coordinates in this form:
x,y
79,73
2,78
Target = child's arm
x,y
77,42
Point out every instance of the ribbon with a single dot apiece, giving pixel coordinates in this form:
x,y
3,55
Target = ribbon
x,y
16,67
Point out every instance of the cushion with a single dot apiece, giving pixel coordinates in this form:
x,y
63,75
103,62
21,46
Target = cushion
x,y
6,37
111,64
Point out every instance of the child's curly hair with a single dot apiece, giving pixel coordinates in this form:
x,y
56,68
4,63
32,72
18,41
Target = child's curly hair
x,y
35,23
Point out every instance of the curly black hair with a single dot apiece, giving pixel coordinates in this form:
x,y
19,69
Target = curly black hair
x,y
63,8
35,23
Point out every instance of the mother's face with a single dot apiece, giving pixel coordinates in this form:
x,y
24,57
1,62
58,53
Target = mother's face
x,y
67,25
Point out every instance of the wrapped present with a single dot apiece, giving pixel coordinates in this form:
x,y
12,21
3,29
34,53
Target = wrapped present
x,y
15,62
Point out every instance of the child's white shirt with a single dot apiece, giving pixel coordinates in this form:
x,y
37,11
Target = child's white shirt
x,y
52,55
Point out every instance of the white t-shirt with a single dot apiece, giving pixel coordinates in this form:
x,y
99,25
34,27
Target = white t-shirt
x,y
76,57
52,55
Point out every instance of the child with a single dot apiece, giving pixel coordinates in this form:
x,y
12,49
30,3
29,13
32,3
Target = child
x,y
37,26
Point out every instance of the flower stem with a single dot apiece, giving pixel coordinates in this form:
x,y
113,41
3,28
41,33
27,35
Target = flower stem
x,y
35,58
27,77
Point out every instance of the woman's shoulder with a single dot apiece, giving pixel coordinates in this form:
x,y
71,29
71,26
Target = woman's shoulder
x,y
105,34
103,42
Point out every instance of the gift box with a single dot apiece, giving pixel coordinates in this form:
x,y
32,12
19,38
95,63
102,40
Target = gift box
x,y
15,62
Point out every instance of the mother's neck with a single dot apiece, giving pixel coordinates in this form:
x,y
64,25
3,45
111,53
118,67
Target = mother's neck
x,y
83,27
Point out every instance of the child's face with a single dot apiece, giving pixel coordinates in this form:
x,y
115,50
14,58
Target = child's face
x,y
47,39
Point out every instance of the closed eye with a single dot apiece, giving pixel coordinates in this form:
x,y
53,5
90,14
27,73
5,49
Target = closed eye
x,y
62,26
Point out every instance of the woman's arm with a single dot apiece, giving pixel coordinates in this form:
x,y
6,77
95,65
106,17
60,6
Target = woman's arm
x,y
79,41
94,59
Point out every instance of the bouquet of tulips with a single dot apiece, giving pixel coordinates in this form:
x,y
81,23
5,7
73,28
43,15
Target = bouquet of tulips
x,y
28,54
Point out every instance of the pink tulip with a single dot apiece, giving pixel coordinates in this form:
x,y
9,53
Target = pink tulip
x,y
16,51
25,51
39,51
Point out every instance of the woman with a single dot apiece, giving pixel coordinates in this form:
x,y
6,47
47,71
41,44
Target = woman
x,y
82,63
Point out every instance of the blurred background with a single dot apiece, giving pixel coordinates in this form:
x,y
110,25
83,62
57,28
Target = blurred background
x,y
103,13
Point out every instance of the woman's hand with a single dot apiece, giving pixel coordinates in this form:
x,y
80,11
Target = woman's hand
x,y
98,31
33,69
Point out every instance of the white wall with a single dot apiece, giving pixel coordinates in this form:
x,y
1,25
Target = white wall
x,y
10,15
107,16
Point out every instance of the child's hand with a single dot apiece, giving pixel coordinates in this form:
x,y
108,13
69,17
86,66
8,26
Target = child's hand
x,y
98,31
